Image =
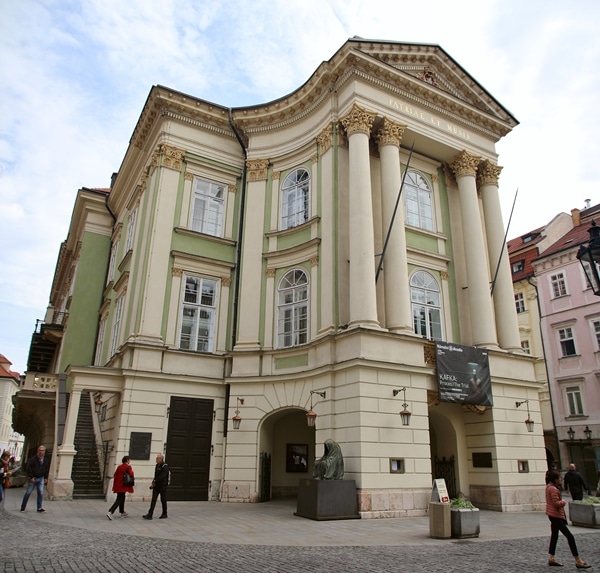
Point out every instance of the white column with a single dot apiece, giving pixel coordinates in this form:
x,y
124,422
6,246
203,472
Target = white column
x,y
363,299
395,263
483,326
507,324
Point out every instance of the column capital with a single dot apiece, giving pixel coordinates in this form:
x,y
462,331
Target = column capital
x,y
465,164
488,173
390,133
325,139
171,156
257,169
358,120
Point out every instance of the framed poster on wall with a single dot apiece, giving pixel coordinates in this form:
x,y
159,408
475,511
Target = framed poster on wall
x,y
296,457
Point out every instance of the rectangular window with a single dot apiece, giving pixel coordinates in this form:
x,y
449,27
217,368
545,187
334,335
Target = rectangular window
x,y
130,231
523,466
198,314
520,302
559,287
517,267
207,209
116,325
596,333
100,342
574,401
113,262
567,342
525,346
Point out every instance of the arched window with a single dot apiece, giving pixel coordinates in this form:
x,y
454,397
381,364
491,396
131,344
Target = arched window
x,y
426,305
418,201
292,309
295,193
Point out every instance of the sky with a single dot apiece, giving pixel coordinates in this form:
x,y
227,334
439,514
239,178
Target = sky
x,y
75,74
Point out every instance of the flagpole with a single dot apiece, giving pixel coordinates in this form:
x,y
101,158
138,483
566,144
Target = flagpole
x,y
502,249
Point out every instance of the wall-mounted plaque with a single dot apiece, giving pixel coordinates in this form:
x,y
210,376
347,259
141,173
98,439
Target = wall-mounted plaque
x,y
139,445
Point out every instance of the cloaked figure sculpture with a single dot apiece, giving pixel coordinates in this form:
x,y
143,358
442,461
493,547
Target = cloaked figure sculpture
x,y
331,465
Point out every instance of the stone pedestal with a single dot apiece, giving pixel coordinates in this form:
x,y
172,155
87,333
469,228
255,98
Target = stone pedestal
x,y
326,500
439,520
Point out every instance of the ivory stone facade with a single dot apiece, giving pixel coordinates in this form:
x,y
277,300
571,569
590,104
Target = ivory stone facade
x,y
244,272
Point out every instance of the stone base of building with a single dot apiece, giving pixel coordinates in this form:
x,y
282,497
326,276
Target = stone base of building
x,y
378,503
508,498
238,492
60,489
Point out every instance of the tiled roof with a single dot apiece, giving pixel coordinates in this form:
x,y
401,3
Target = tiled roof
x,y
520,242
575,237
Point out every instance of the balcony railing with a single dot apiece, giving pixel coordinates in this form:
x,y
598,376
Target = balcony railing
x,y
37,382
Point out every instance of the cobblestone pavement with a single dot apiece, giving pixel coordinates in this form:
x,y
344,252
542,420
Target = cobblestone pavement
x,y
32,545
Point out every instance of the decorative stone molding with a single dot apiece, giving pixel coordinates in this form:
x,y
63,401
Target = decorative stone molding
x,y
429,354
465,164
232,188
488,173
188,176
172,157
276,175
358,120
143,180
314,158
257,169
444,275
325,139
270,273
314,261
226,282
177,272
390,133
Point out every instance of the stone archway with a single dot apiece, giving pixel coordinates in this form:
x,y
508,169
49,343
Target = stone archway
x,y
283,436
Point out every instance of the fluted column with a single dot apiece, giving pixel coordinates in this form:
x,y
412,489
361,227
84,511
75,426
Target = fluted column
x,y
395,264
507,325
363,299
483,328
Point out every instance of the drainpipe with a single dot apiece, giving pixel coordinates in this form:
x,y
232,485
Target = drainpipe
x,y
537,297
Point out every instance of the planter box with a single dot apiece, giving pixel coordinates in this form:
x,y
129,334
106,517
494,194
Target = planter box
x,y
585,514
464,523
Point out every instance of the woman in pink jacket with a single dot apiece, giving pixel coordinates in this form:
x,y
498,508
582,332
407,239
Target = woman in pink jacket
x,y
555,510
120,488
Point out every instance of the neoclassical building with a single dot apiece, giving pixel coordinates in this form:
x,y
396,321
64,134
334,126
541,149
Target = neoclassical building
x,y
263,265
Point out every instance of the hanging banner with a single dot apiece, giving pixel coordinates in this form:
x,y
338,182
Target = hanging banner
x,y
463,374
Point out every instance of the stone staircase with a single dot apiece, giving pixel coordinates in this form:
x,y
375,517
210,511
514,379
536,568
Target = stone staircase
x,y
86,473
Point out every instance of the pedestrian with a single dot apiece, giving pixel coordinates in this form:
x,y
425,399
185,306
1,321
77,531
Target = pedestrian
x,y
120,487
4,473
38,468
159,487
555,510
574,483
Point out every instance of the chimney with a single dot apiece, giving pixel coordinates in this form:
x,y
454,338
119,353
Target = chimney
x,y
588,202
576,217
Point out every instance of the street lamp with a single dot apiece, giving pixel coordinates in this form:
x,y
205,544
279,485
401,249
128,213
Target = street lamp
x,y
529,422
589,257
588,433
311,417
405,413
237,419
571,433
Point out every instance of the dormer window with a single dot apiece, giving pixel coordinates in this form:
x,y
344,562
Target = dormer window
x,y
518,267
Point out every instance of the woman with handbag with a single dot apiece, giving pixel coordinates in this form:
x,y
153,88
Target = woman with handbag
x,y
123,481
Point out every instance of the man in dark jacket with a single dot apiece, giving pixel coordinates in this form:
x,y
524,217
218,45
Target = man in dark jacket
x,y
574,483
159,487
37,470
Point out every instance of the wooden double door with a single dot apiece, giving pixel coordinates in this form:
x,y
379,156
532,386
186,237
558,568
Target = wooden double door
x,y
189,448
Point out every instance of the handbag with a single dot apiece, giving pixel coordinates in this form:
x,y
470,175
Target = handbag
x,y
128,479
6,483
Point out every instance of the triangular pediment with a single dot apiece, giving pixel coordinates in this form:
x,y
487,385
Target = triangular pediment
x,y
433,66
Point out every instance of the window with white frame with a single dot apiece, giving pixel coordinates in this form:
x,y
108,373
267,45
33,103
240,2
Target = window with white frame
x,y
100,342
295,199
130,231
567,341
574,400
198,315
559,285
525,346
518,267
418,201
208,206
426,305
595,325
112,262
116,324
520,302
292,309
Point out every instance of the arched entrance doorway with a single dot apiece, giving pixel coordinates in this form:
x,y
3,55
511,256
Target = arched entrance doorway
x,y
287,453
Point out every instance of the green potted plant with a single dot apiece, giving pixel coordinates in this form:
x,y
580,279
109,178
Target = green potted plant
x,y
585,512
464,519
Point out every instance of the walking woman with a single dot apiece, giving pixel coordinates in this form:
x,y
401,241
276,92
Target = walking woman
x,y
120,488
555,510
